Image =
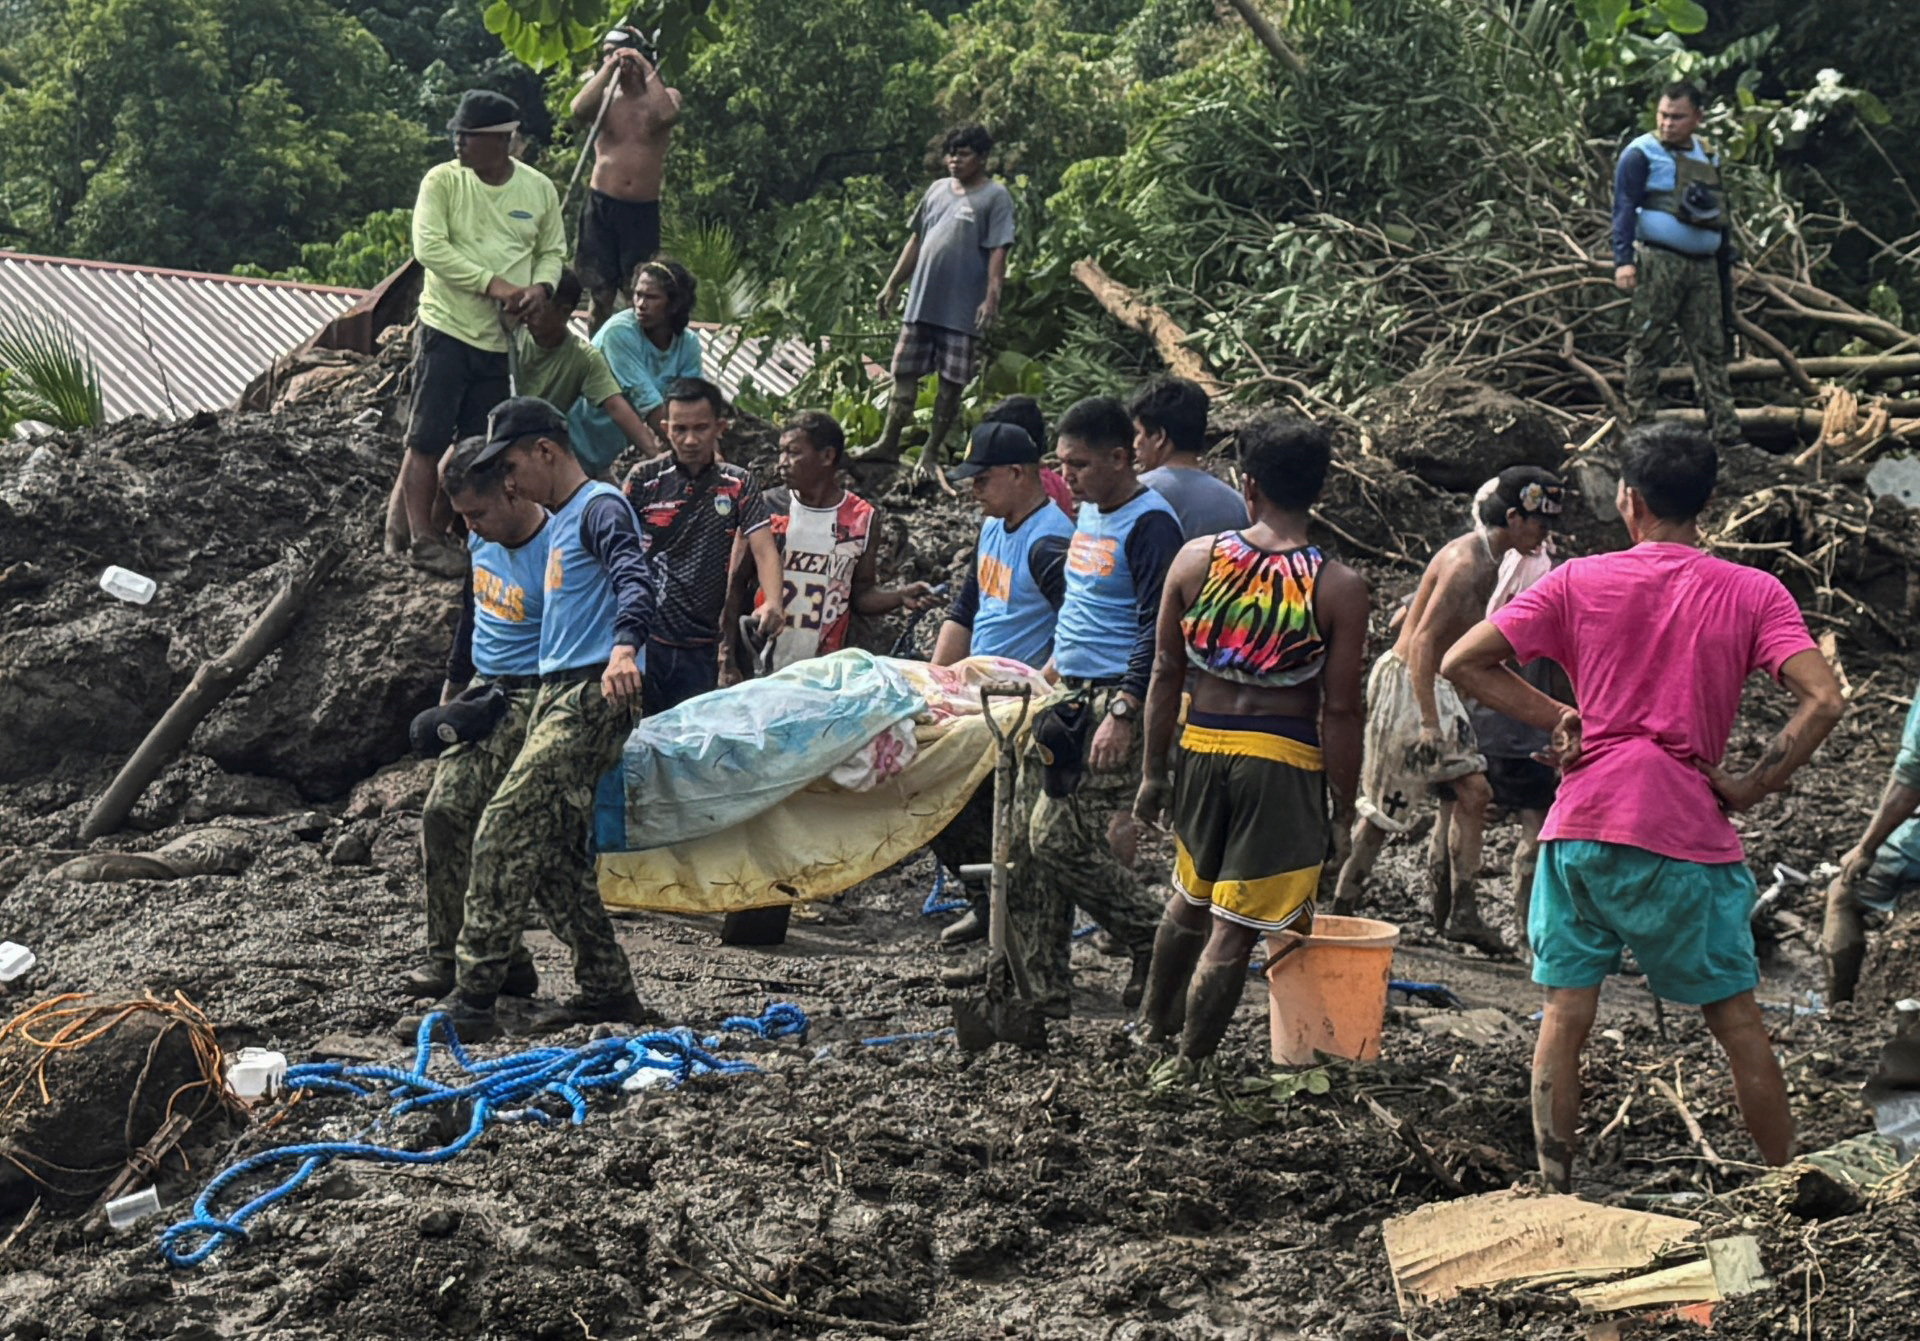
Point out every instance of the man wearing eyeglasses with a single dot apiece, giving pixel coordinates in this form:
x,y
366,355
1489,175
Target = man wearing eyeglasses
x,y
486,229
1420,739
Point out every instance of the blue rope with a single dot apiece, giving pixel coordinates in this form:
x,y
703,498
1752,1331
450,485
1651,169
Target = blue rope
x,y
1434,993
937,903
500,1089
888,1040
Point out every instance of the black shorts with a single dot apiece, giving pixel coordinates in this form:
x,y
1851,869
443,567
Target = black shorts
x,y
615,236
1521,784
455,388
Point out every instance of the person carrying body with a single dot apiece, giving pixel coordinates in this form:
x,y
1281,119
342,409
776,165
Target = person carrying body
x,y
557,365
648,345
1638,852
620,229
957,255
1081,759
692,506
1419,738
531,844
1169,436
824,532
496,645
1671,240
1007,607
1273,637
1877,872
487,232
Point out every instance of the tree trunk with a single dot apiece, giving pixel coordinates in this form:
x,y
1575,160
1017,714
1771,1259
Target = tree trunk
x,y
1136,313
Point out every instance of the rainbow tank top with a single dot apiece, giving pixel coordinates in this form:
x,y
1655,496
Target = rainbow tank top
x,y
1252,622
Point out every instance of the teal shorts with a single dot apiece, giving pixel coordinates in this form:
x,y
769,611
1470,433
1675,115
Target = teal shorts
x,y
1688,924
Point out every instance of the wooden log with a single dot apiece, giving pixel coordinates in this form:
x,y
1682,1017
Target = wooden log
x,y
210,685
1136,313
1868,367
1780,422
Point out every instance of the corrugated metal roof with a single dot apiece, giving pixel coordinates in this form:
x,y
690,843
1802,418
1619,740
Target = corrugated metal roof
x,y
733,363
170,343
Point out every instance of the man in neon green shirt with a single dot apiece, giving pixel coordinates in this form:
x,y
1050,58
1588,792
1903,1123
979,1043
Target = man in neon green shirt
x,y
486,229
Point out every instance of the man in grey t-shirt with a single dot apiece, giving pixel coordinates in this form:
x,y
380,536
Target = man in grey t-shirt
x,y
958,258
1169,434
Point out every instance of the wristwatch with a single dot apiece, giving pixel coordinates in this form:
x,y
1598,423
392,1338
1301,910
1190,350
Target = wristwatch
x,y
1123,708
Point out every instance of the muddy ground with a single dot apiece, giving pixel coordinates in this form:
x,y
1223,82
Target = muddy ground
x,y
898,1190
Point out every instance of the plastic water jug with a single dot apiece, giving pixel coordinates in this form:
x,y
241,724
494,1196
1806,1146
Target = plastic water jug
x,y
14,960
127,585
256,1073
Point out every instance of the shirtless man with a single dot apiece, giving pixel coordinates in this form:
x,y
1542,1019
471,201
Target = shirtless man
x,y
1419,737
621,227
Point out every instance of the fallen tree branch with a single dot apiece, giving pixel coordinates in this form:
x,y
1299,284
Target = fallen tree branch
x,y
1778,421
1269,36
1692,1123
1136,313
209,687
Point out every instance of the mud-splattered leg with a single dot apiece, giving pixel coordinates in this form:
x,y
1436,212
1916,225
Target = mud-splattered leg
x,y
1556,1080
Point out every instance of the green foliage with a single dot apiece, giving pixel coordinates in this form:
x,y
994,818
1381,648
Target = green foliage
x,y
729,291
789,100
544,33
1049,95
361,257
197,133
46,374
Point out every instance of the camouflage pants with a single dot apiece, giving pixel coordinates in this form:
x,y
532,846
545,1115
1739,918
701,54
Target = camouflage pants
x,y
1062,860
531,845
464,781
1679,295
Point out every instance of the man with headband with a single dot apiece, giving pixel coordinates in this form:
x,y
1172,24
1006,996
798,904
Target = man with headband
x,y
486,229
1420,741
636,111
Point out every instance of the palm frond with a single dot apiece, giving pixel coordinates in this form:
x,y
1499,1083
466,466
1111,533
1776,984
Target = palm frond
x,y
50,375
729,289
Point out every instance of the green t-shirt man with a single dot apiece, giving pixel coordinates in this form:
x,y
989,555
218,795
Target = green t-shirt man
x,y
568,371
467,233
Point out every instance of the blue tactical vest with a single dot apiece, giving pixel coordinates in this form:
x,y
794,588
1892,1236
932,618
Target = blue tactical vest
x,y
1098,624
1013,618
1656,221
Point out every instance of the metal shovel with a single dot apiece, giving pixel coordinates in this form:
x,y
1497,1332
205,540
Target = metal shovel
x,y
993,1017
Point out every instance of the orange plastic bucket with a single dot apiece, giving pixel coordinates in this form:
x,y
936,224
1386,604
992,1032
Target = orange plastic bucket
x,y
1330,995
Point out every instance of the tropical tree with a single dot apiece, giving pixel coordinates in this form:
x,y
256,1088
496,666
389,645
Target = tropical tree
x,y
197,133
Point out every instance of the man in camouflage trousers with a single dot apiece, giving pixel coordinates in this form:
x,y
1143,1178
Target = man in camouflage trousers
x,y
1670,238
497,644
1080,762
531,842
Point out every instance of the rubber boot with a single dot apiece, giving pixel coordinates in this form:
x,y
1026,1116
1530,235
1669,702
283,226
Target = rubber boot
x,y
472,1018
971,927
436,980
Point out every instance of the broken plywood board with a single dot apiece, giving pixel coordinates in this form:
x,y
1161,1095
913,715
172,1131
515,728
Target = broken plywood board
x,y
1731,1268
1506,1238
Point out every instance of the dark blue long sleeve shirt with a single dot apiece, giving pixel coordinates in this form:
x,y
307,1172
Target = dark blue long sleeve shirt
x,y
1629,191
610,532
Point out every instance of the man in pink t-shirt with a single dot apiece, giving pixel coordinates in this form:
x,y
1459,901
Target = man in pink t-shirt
x,y
1637,851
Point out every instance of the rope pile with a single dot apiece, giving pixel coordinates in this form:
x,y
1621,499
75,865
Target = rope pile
x,y
503,1089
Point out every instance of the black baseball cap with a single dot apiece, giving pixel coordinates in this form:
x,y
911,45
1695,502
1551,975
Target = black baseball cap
x,y
518,419
996,444
482,111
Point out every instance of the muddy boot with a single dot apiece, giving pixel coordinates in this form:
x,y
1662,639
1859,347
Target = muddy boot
x,y
1464,924
623,1009
971,974
436,980
971,927
1137,980
472,1019
1843,944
